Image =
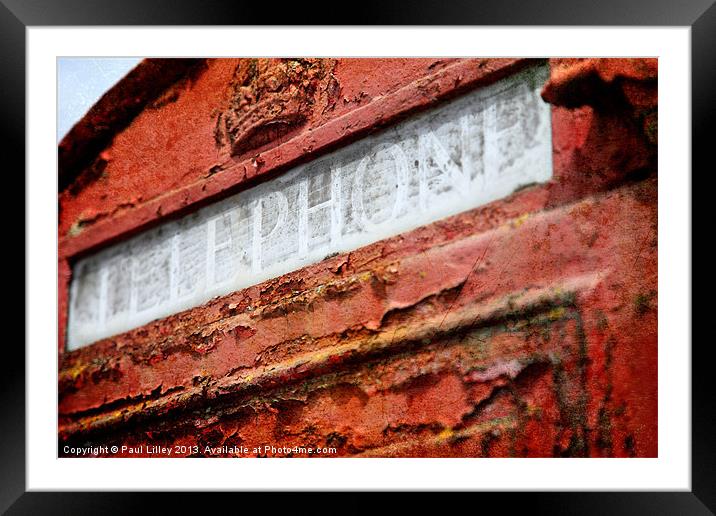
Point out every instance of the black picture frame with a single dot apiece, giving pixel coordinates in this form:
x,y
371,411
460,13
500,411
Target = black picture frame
x,y
17,15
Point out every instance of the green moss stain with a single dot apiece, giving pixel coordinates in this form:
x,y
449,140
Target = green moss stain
x,y
643,302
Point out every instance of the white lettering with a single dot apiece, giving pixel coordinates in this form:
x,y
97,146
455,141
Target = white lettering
x,y
458,156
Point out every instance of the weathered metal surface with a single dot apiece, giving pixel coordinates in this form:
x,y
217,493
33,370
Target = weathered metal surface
x,y
525,327
404,349
467,153
118,201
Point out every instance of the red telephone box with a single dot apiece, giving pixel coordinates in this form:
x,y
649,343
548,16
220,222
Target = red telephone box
x,y
362,257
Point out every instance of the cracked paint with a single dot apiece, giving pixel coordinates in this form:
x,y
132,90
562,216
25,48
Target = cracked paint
x,y
526,327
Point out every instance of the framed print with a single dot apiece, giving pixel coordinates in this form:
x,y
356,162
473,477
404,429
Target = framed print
x,y
414,253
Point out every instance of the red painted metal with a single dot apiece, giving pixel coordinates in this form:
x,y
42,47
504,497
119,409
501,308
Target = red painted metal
x,y
527,327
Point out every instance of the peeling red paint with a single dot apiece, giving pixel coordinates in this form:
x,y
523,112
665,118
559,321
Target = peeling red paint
x,y
526,327
176,175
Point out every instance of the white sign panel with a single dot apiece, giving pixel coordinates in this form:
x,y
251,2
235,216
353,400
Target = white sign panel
x,y
458,156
